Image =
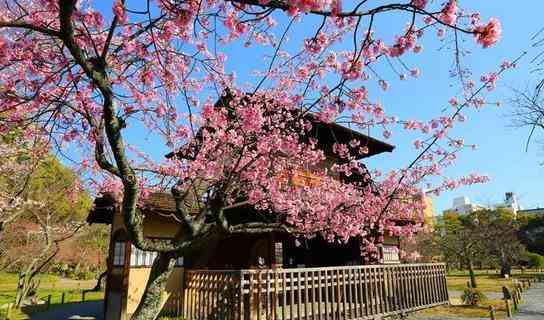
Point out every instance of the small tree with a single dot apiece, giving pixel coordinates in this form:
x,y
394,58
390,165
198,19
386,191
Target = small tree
x,y
499,233
487,236
458,239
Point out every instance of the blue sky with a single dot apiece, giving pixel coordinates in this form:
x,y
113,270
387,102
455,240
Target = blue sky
x,y
501,148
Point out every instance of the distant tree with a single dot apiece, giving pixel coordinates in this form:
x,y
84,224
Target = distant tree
x,y
486,237
531,233
535,260
38,230
498,230
18,159
528,111
421,247
528,103
96,239
458,240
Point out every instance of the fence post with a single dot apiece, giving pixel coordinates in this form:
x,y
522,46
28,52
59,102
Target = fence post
x,y
508,308
8,311
83,296
48,304
506,293
62,299
492,313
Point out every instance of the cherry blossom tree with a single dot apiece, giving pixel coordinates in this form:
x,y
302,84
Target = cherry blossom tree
x,y
83,76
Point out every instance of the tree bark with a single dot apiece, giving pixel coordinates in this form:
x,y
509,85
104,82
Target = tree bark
x,y
150,304
26,278
506,268
471,273
98,285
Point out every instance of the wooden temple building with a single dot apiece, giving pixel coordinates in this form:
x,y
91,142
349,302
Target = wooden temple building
x,y
267,276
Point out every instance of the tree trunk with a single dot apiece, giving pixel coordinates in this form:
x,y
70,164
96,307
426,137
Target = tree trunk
x,y
471,273
506,268
26,278
150,305
20,293
101,277
26,284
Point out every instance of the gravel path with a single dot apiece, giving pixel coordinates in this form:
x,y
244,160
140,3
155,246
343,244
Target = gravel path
x,y
92,310
532,307
440,317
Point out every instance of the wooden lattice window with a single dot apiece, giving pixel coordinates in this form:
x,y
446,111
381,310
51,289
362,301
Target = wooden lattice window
x,y
390,254
119,253
141,258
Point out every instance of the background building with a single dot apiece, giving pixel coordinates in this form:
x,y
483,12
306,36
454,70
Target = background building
x,y
510,202
535,211
463,205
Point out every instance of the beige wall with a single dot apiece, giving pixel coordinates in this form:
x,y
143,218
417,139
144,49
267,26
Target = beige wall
x,y
154,226
117,222
137,279
160,226
428,213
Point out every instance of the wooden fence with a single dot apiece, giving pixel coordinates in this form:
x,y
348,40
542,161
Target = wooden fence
x,y
354,292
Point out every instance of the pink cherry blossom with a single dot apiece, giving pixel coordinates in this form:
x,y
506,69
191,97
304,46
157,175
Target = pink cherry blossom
x,y
119,11
420,4
487,35
449,13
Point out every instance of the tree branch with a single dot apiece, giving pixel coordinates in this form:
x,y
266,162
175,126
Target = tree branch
x,y
28,26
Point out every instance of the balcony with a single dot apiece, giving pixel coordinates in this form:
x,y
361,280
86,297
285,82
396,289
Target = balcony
x,y
350,292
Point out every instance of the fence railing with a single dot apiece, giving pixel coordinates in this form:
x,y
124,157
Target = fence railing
x,y
354,292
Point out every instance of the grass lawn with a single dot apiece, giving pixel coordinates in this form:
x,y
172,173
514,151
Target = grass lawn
x,y
459,310
487,282
49,285
8,284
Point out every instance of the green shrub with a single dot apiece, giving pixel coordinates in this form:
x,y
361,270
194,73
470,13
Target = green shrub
x,y
535,260
473,296
85,275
